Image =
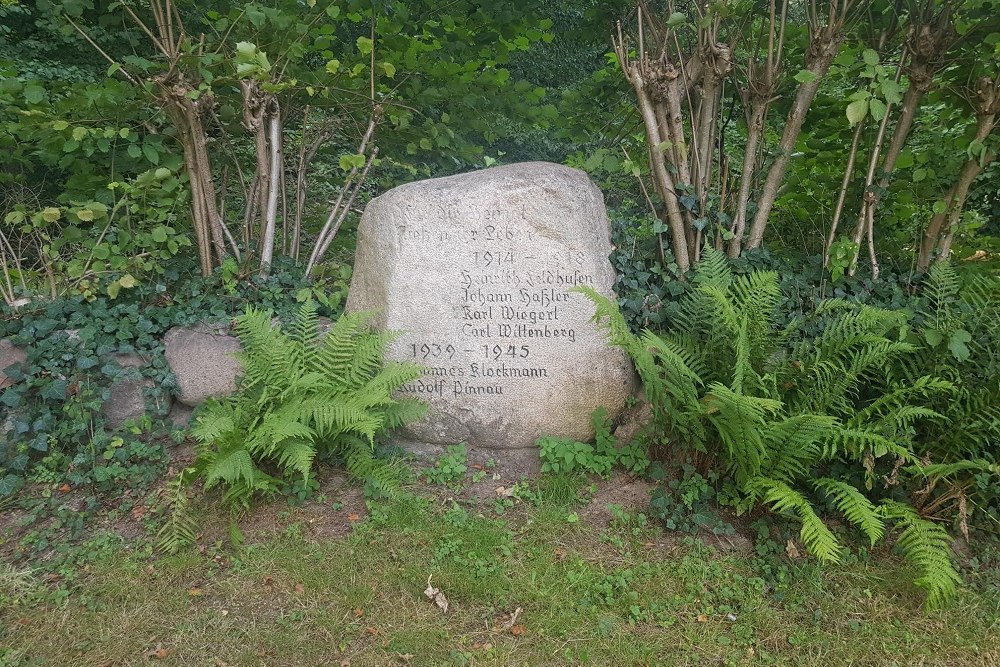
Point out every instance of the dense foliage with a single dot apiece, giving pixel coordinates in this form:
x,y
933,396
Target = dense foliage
x,y
804,213
843,391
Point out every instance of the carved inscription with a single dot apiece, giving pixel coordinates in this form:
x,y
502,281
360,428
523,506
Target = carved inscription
x,y
509,293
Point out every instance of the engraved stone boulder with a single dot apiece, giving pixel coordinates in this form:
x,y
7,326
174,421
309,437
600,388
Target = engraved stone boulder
x,y
201,358
477,272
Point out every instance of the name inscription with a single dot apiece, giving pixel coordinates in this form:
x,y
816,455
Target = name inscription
x,y
509,288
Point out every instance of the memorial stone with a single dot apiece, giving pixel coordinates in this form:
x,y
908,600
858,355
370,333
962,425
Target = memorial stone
x,y
477,272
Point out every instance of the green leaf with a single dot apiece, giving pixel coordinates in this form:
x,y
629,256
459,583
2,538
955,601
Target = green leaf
x,y
59,125
677,19
85,214
933,337
54,390
33,93
878,108
10,484
113,289
805,76
957,344
128,280
919,174
390,69
856,111
940,206
151,154
332,66
348,162
51,214
365,45
134,150
159,234
79,133
870,57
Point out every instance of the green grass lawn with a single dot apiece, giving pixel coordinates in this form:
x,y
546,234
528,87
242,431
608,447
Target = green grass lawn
x,y
301,591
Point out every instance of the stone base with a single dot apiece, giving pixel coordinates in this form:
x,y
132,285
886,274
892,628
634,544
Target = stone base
x,y
510,464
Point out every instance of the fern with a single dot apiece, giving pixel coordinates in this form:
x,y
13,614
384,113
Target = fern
x,y
814,533
773,406
926,546
180,528
302,394
853,505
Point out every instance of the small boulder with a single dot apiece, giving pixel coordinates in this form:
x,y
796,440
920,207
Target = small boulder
x,y
128,393
10,354
202,359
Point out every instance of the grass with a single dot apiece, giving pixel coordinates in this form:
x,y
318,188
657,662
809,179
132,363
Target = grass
x,y
624,595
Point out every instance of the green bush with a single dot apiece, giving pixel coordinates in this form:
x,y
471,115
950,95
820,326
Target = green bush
x,y
302,394
775,408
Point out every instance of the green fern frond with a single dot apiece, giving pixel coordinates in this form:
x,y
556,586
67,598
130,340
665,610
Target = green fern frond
x,y
794,445
740,421
853,505
814,533
713,269
300,393
180,530
926,546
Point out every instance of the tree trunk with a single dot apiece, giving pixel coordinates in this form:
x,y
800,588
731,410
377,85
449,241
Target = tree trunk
x,y
822,51
274,171
755,134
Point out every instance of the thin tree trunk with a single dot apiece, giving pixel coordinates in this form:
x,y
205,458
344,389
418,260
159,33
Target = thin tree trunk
x,y
755,134
274,170
842,196
935,247
824,49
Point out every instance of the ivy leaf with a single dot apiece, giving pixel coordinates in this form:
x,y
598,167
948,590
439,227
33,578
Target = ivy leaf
x,y
10,484
55,390
856,111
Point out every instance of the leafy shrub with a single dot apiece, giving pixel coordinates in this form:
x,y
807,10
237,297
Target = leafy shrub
x,y
53,412
302,394
956,327
565,455
773,408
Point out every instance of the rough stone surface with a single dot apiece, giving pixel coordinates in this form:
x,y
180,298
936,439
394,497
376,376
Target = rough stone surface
x,y
201,358
180,415
10,354
128,393
475,270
